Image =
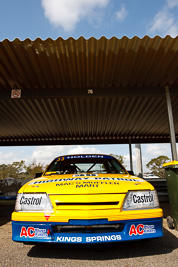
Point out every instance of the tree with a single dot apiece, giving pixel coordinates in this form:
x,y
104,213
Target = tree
x,y
3,171
19,170
12,170
120,158
34,168
16,168
155,165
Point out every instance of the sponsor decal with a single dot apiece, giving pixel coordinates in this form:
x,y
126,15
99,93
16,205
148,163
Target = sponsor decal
x,y
87,157
143,199
83,157
69,239
36,201
87,184
89,239
87,178
141,229
63,184
84,174
138,230
149,229
32,232
94,184
104,238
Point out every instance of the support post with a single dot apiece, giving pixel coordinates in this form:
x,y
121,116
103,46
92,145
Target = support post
x,y
138,155
171,124
130,153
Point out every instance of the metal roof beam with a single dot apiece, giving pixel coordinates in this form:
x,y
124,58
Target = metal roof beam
x,y
171,125
76,141
40,93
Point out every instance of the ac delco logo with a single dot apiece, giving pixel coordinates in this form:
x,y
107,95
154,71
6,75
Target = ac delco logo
x,y
33,232
29,232
142,229
136,230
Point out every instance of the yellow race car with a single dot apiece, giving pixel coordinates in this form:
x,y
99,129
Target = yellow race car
x,y
86,199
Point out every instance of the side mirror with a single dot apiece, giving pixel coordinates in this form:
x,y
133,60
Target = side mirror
x,y
38,174
131,172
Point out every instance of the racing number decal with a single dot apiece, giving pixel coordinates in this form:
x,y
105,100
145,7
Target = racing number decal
x,y
139,230
60,159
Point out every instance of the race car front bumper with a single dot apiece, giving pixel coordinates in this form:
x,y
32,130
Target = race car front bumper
x,y
86,231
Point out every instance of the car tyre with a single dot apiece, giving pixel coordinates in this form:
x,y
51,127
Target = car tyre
x,y
170,222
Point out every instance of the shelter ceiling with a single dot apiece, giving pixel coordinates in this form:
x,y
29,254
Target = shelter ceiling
x,y
87,91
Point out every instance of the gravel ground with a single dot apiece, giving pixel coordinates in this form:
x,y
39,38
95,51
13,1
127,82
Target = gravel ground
x,y
158,252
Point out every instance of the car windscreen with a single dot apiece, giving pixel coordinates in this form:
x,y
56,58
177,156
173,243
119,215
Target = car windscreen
x,y
85,165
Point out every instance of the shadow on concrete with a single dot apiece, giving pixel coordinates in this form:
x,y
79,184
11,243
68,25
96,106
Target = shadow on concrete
x,y
6,209
165,206
121,250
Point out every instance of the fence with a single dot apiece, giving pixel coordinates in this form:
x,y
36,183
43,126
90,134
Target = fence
x,y
10,187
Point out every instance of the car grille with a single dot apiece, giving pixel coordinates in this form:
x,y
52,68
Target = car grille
x,y
85,203
88,229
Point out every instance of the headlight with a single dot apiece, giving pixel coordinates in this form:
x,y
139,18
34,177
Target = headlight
x,y
141,200
33,202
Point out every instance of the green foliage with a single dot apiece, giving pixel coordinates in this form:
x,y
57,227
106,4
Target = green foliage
x,y
155,165
3,171
20,170
12,170
120,158
34,168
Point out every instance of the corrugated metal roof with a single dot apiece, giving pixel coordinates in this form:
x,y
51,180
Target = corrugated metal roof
x,y
127,77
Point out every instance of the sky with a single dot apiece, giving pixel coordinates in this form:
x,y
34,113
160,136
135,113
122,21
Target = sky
x,y
74,18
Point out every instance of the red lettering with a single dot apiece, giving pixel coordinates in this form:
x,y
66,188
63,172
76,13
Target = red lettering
x,y
31,231
23,232
132,230
140,230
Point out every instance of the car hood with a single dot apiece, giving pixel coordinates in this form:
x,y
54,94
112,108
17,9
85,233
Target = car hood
x,y
85,184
